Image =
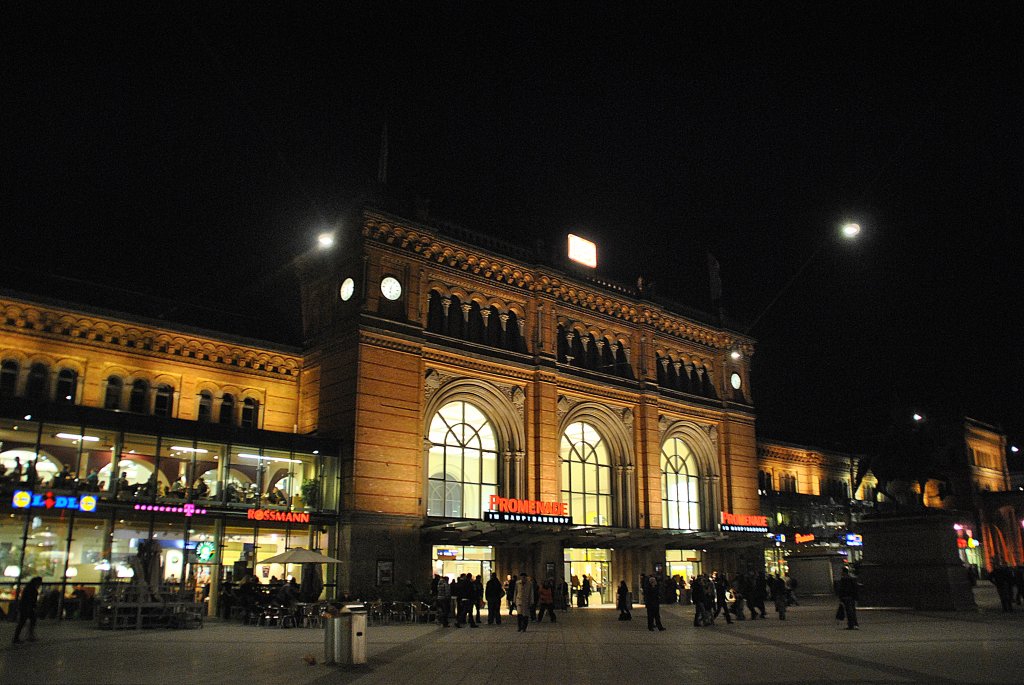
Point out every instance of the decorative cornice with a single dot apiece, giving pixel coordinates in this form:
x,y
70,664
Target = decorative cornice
x,y
367,338
434,249
474,364
111,334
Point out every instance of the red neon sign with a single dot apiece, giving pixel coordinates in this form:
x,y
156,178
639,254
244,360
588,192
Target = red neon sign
x,y
275,515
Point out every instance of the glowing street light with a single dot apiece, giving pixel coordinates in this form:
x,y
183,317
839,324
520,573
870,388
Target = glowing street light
x,y
918,417
851,231
325,240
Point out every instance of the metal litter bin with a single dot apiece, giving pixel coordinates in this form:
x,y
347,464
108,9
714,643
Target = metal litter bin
x,y
345,637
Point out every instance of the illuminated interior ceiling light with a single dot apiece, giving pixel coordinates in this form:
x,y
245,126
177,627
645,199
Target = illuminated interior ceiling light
x,y
71,572
12,571
264,458
72,436
196,450
582,251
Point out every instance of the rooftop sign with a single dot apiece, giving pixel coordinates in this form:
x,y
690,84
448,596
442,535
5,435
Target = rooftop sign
x,y
583,251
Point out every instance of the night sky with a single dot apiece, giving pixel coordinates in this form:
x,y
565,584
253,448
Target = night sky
x,y
161,157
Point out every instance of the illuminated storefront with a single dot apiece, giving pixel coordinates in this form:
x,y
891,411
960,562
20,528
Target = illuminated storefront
x,y
212,511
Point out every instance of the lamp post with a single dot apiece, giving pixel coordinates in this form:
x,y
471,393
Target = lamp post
x,y
849,231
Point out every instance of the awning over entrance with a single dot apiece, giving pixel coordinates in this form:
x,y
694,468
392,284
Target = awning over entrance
x,y
492,533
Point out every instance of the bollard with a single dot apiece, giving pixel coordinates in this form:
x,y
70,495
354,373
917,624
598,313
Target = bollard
x,y
357,652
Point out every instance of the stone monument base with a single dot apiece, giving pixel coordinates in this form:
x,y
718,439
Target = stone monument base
x,y
911,560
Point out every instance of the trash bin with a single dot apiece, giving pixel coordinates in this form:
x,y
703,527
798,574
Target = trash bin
x,y
345,637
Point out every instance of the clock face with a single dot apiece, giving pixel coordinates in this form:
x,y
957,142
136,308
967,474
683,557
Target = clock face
x,y
390,288
736,381
348,286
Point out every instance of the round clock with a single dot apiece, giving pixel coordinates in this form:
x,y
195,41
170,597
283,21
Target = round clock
x,y
391,288
736,381
348,286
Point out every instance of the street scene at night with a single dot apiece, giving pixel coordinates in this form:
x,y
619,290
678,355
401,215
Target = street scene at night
x,y
683,338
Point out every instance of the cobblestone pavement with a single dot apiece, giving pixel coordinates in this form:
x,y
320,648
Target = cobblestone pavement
x,y
584,646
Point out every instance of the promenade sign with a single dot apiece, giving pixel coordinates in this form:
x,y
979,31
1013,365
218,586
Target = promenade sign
x,y
744,523
511,510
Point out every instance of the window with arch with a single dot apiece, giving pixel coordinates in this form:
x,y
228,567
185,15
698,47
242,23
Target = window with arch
x,y
163,405
680,486
765,485
250,412
139,397
9,371
586,475
205,413
37,386
462,463
227,409
112,396
787,483
67,386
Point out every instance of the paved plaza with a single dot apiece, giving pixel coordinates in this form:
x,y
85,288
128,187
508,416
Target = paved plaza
x,y
584,646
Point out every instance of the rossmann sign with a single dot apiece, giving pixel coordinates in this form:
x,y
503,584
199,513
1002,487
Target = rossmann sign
x,y
275,515
511,510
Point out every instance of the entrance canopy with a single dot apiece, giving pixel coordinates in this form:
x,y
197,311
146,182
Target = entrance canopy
x,y
494,533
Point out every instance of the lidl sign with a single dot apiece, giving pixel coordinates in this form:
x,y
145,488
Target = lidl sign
x,y
26,499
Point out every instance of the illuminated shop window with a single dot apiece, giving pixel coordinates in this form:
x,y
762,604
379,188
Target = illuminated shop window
x,y
680,492
586,475
463,461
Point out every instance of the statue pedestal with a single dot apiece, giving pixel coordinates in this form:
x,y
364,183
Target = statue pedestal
x,y
911,560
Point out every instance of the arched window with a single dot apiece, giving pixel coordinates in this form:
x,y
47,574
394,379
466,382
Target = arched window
x,y
586,475
227,409
250,412
164,403
67,386
138,400
112,397
205,413
38,385
680,486
463,461
9,378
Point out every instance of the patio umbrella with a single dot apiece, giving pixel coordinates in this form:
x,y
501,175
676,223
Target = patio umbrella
x,y
300,555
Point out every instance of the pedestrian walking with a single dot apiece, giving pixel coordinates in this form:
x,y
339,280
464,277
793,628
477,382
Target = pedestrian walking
x,y
624,602
27,609
846,588
546,600
511,594
444,600
493,593
779,595
721,582
652,600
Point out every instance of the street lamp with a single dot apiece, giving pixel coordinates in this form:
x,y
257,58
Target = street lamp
x,y
849,231
917,417
325,240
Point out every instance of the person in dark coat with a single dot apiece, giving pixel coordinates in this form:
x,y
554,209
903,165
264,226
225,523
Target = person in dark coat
x,y
756,594
511,590
585,590
27,609
464,595
478,596
778,586
721,582
493,593
624,602
652,600
846,588
1002,578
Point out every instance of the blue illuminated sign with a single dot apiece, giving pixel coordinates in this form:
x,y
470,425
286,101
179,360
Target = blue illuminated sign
x,y
25,499
854,540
